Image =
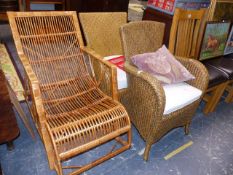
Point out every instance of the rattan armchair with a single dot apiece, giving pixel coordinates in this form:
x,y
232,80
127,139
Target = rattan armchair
x,y
145,97
71,113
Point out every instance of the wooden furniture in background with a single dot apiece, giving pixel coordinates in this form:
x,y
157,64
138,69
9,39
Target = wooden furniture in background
x,y
57,3
155,15
220,10
97,5
8,125
186,32
145,98
84,5
8,5
70,111
185,40
19,109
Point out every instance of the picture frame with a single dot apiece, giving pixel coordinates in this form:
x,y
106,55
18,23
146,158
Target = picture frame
x,y
220,10
229,43
214,39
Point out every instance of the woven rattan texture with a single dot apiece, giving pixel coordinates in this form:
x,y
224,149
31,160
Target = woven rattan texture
x,y
136,44
101,31
145,98
72,114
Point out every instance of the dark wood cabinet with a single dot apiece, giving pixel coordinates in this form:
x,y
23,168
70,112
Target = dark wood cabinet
x,y
8,126
97,5
155,15
7,5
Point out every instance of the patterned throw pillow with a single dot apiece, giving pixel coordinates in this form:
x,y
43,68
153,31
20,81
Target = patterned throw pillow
x,y
163,65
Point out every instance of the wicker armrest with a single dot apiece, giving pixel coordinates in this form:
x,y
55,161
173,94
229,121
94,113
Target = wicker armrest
x,y
34,88
107,75
198,70
145,92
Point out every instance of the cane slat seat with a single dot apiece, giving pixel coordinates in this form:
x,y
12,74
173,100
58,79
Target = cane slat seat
x,y
72,114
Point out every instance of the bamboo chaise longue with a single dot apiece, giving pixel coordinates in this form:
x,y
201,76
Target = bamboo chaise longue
x,y
70,111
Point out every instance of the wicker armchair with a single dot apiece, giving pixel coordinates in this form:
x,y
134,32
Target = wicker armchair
x,y
145,98
101,31
71,113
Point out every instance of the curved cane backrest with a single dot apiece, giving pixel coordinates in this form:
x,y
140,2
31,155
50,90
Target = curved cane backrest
x,y
101,31
135,34
72,114
185,35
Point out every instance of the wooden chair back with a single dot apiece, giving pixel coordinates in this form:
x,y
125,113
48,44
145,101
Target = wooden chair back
x,y
101,31
186,32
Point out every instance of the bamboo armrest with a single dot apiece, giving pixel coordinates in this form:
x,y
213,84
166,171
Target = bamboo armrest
x,y
112,71
34,87
95,55
198,70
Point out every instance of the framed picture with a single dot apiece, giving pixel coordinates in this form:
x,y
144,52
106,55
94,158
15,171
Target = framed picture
x,y
220,10
229,44
214,39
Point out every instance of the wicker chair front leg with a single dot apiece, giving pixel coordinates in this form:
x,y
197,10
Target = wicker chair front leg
x,y
145,102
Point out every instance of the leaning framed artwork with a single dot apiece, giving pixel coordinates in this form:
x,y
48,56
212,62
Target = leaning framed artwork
x,y
229,44
214,39
220,10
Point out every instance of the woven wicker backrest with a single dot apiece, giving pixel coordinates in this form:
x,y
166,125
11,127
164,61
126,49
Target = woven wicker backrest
x,y
52,44
186,33
101,31
141,37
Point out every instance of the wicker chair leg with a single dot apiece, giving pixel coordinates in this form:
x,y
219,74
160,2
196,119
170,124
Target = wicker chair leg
x,y
49,148
59,168
147,151
186,128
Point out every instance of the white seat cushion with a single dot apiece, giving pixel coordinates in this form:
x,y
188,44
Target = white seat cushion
x,y
121,75
179,95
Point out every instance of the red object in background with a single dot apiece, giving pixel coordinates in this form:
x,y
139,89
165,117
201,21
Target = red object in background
x,y
164,5
118,61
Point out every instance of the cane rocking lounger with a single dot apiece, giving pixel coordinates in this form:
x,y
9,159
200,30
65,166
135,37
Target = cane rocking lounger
x,y
71,113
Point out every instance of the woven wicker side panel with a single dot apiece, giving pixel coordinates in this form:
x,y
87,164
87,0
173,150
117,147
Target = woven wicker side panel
x,y
101,31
